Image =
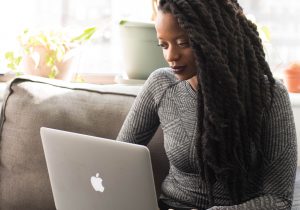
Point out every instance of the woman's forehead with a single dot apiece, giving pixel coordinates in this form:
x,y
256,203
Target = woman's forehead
x,y
166,22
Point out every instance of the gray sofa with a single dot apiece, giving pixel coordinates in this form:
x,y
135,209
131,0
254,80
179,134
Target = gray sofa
x,y
30,103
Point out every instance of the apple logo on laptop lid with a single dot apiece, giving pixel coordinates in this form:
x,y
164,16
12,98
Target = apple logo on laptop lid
x,y
96,182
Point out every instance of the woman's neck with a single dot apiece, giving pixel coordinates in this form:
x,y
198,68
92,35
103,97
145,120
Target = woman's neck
x,y
193,82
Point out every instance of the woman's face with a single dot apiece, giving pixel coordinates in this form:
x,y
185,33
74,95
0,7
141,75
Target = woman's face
x,y
176,47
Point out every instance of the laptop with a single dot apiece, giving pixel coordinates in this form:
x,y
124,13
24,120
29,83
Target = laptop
x,y
92,173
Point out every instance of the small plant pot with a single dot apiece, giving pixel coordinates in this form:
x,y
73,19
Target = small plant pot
x,y
36,64
292,78
140,52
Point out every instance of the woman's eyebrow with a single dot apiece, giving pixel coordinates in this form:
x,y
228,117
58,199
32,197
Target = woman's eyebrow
x,y
180,36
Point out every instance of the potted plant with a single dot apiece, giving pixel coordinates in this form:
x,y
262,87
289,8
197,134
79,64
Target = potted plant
x,y
292,77
140,51
46,53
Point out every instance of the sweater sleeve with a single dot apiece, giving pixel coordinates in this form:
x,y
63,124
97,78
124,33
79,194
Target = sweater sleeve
x,y
279,139
142,120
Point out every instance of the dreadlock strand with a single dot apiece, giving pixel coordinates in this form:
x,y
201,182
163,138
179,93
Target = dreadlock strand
x,y
231,74
261,57
207,21
255,119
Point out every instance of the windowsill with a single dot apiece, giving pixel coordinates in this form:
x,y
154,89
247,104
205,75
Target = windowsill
x,y
96,78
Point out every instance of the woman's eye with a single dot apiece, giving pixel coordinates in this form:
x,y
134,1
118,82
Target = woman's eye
x,y
183,44
162,45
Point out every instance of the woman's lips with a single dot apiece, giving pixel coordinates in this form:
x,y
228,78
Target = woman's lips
x,y
178,69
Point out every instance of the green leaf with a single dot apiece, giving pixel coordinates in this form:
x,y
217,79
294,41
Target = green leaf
x,y
11,66
13,61
18,73
267,32
50,61
122,22
53,73
9,55
18,60
86,35
26,31
79,78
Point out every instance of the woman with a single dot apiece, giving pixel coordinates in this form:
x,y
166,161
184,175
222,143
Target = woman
x,y
228,126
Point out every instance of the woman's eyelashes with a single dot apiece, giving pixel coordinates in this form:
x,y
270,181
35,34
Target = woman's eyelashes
x,y
179,43
183,44
163,45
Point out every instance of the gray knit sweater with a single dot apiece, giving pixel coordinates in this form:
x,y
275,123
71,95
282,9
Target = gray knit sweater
x,y
171,103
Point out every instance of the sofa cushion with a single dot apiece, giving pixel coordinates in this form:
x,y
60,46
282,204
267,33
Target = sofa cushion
x,y
32,102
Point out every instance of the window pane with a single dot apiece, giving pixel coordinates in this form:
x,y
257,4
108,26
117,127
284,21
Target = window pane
x,y
98,55
282,18
101,54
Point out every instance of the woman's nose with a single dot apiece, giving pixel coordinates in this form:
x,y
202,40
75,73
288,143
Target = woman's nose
x,y
172,54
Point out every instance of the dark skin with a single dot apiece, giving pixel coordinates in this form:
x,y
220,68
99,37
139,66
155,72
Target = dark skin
x,y
176,48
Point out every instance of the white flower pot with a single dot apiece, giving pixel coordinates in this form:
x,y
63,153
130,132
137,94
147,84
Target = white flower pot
x,y
141,54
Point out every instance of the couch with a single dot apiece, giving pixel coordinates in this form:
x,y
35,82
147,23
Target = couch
x,y
32,102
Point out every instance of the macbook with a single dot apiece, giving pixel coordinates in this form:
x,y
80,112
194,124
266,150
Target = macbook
x,y
92,173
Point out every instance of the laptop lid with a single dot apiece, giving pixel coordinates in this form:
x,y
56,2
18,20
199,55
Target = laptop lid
x,y
93,173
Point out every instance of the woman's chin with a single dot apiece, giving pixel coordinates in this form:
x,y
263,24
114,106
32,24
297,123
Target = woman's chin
x,y
183,77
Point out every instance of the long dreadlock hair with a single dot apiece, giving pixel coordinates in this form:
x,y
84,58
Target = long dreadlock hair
x,y
232,93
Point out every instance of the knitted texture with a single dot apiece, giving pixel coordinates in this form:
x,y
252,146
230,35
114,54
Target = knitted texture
x,y
172,104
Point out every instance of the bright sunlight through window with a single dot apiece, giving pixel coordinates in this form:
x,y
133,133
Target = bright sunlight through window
x,y
100,55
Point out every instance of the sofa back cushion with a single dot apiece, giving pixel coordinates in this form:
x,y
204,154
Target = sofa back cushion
x,y
30,103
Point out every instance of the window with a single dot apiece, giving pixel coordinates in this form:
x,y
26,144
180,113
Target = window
x,y
101,55
282,19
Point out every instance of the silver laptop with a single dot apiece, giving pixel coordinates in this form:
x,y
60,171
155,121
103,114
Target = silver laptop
x,y
91,173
